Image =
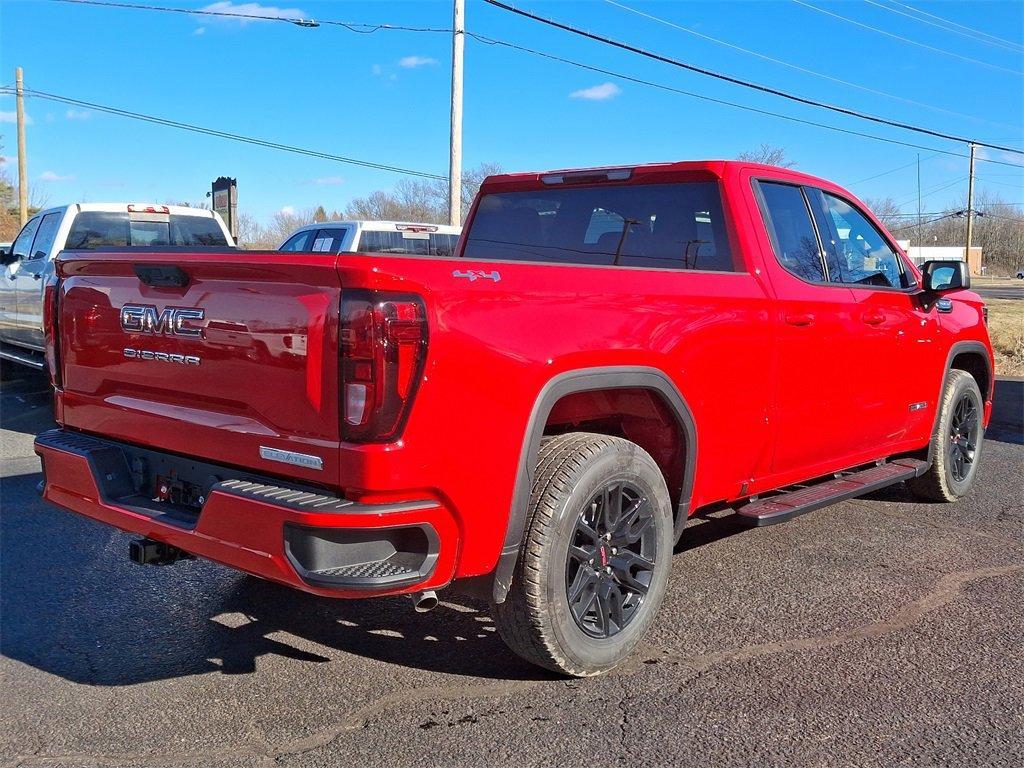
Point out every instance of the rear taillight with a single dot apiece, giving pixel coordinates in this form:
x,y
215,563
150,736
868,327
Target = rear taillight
x,y
51,330
383,349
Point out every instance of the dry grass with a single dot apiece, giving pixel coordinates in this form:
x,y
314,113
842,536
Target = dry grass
x,y
1006,328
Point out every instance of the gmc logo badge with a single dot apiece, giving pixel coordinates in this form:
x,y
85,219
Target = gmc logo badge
x,y
144,318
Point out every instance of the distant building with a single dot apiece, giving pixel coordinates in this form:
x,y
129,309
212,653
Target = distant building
x,y
920,254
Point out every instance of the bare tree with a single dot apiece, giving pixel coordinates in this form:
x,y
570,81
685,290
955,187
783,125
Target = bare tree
x,y
886,210
415,200
767,154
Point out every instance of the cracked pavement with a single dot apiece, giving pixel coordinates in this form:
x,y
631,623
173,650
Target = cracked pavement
x,y
877,632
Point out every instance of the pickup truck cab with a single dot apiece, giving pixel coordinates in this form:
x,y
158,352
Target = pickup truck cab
x,y
84,226
532,420
394,237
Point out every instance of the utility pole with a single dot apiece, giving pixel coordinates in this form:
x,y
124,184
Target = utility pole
x,y
19,87
920,242
455,160
970,208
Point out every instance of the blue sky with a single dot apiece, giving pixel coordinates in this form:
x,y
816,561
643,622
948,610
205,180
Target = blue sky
x,y
384,96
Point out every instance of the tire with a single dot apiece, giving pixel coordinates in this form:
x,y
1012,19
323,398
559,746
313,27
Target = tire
x,y
570,518
954,461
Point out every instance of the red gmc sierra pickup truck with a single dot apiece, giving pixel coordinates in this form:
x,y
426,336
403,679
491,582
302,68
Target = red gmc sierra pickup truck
x,y
531,420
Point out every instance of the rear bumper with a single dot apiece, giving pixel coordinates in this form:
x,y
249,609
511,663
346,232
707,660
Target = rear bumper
x,y
303,538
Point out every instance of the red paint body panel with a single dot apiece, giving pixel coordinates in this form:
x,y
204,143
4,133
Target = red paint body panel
x,y
773,402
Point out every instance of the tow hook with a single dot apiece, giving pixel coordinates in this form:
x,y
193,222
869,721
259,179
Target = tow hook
x,y
424,601
150,552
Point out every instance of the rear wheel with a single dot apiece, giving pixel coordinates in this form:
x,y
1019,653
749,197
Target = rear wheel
x,y
595,558
956,444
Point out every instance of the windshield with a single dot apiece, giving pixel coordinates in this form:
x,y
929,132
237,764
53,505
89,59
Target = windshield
x,y
109,229
670,226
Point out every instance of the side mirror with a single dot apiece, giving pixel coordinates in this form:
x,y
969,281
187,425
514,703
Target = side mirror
x,y
6,257
942,276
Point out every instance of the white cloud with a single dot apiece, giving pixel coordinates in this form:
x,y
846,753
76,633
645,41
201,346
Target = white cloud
x,y
200,31
51,176
376,69
77,114
597,92
411,62
287,210
251,9
327,181
12,117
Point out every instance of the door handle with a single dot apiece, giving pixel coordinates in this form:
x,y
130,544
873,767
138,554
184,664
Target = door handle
x,y
800,319
874,318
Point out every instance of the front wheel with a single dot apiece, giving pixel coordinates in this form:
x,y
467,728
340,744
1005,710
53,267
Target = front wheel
x,y
956,444
595,558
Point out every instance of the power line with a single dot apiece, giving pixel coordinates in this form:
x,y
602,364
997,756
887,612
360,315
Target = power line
x,y
955,24
928,191
915,225
893,170
968,35
907,39
739,81
225,134
353,26
703,97
986,214
796,67
1019,186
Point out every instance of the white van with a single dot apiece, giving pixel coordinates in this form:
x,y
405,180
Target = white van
x,y
85,226
374,237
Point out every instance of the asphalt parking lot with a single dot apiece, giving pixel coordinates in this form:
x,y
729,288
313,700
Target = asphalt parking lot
x,y
1003,289
878,632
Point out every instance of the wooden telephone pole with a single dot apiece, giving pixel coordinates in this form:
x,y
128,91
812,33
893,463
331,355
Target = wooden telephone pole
x,y
19,87
455,157
970,208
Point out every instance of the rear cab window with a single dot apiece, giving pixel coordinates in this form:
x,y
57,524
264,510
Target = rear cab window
x,y
413,241
669,225
92,230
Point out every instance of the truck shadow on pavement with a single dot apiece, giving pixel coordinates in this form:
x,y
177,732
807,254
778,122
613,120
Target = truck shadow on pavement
x,y
74,606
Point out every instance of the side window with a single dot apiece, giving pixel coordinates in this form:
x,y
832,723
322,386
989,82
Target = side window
x,y
794,238
45,236
302,241
863,255
328,240
23,244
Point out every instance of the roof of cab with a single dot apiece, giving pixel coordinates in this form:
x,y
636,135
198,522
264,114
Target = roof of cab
x,y
177,210
716,167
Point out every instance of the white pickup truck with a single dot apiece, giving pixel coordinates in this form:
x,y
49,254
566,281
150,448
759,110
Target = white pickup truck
x,y
393,237
85,226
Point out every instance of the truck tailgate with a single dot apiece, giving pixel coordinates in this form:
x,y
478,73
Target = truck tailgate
x,y
238,365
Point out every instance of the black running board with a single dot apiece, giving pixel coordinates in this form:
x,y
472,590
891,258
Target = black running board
x,y
786,506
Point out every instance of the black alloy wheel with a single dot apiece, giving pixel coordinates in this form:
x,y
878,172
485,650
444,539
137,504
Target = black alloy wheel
x,y
611,560
964,432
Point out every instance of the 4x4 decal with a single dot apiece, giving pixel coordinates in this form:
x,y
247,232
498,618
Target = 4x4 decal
x,y
474,274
